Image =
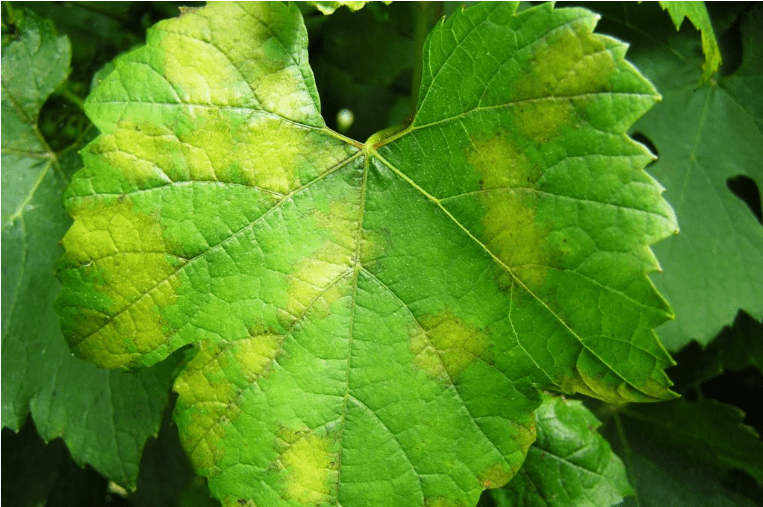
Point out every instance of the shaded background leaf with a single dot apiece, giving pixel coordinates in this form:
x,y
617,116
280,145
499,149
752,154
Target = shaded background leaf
x,y
103,416
697,14
705,138
685,454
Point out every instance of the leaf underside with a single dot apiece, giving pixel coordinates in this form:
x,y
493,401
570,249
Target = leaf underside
x,y
372,321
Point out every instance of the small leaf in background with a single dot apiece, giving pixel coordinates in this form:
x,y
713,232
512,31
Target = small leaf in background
x,y
705,138
337,359
569,465
103,416
697,14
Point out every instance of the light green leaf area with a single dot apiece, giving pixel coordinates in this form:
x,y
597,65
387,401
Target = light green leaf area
x,y
680,453
569,465
328,7
104,417
705,137
372,321
697,14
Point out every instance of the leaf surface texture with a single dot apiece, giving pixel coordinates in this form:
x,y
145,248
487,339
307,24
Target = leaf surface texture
x,y
372,321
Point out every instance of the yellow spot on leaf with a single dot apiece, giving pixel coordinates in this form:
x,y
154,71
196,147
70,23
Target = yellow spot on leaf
x,y
124,255
209,387
509,227
495,476
444,345
311,464
312,282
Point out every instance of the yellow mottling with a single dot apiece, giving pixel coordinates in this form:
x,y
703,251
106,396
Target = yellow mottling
x,y
444,346
496,476
312,283
500,164
255,354
208,389
572,61
311,465
509,227
123,252
540,122
374,243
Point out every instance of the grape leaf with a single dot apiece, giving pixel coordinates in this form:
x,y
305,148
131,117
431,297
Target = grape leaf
x,y
680,453
736,348
707,431
569,464
704,137
104,417
372,321
697,14
328,7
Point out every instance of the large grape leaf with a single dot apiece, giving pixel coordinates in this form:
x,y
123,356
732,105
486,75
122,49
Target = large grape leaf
x,y
704,137
371,320
104,417
569,465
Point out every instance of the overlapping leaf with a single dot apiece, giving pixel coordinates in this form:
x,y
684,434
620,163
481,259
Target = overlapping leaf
x,y
697,14
569,465
679,453
104,417
371,321
704,138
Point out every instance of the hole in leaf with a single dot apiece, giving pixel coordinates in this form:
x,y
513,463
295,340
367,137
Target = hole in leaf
x,y
747,190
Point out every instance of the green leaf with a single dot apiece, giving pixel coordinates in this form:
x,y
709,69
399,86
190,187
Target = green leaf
x,y
704,138
679,453
697,14
372,321
569,464
736,348
707,431
104,417
328,7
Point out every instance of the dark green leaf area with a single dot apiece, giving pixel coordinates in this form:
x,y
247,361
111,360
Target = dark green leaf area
x,y
166,477
736,348
706,432
706,138
35,473
663,474
569,464
104,417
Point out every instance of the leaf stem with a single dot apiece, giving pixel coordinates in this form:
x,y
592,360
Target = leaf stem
x,y
421,12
